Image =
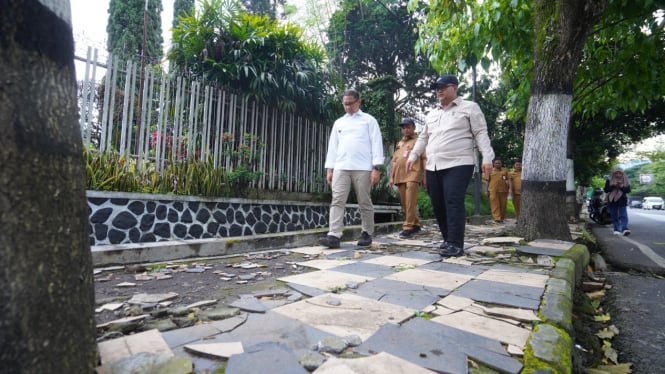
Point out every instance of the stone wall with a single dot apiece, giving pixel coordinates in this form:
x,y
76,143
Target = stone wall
x,y
121,218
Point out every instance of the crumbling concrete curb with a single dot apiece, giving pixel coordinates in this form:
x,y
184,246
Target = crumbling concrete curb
x,y
550,346
142,253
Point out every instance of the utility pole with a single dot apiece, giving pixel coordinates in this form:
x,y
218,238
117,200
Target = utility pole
x,y
137,147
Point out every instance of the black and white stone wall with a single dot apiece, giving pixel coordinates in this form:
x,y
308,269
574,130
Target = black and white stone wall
x,y
120,218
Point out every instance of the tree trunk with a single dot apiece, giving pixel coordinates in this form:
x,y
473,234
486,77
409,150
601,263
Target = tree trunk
x,y
46,286
561,29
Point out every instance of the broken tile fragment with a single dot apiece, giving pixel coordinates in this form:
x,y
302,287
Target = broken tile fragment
x,y
144,298
216,350
109,306
150,341
201,303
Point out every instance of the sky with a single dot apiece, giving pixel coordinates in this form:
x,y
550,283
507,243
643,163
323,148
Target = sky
x,y
89,19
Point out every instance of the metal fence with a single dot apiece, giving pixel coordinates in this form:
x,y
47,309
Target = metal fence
x,y
182,119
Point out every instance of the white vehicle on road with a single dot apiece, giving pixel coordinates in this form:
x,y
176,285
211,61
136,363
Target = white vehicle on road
x,y
652,202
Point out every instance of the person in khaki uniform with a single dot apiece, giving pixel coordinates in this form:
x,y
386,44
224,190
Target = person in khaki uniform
x,y
497,189
408,183
515,186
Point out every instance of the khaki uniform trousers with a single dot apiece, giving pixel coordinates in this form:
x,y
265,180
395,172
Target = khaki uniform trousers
x,y
408,196
498,201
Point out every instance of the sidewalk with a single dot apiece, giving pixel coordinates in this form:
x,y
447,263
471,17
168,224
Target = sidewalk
x,y
392,308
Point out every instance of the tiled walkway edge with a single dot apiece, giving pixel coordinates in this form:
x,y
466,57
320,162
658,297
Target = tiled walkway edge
x,y
550,346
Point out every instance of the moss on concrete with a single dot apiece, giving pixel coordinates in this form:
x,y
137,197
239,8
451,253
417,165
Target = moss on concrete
x,y
549,349
580,256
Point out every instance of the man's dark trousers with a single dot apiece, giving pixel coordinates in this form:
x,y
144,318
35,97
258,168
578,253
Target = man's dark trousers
x,y
447,189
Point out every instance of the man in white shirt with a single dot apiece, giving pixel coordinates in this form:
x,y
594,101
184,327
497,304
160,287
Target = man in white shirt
x,y
355,156
448,136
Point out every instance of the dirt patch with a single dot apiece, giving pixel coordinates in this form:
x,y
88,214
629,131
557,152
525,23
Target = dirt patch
x,y
220,279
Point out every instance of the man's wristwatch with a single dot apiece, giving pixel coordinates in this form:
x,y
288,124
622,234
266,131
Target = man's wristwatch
x,y
376,167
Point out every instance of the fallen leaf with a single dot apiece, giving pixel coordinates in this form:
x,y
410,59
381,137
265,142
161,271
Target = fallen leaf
x,y
596,295
605,333
616,369
602,318
609,352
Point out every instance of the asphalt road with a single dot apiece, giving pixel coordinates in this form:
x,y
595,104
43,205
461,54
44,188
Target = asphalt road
x,y
636,300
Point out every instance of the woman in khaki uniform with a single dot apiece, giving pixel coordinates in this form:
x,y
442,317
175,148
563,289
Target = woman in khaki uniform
x,y
497,189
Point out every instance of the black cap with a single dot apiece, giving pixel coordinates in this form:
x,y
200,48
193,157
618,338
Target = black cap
x,y
444,80
407,121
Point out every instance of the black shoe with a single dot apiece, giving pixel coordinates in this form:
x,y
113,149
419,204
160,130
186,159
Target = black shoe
x,y
365,240
409,232
450,250
329,241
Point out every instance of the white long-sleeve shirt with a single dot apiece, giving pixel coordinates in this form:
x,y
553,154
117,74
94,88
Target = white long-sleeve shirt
x,y
448,135
355,143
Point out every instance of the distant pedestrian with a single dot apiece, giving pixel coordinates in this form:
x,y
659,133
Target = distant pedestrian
x,y
497,189
515,186
355,156
407,182
617,188
448,135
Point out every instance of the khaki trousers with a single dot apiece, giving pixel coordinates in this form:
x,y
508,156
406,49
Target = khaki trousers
x,y
342,182
498,201
408,196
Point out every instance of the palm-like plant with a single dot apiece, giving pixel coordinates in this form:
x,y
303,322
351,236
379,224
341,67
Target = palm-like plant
x,y
254,54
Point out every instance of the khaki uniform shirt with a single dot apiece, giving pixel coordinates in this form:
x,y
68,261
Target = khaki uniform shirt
x,y
401,156
498,181
515,177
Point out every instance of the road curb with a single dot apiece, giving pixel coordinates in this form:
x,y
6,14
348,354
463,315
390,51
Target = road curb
x,y
142,253
550,345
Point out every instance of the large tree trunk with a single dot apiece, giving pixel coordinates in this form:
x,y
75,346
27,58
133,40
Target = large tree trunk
x,y
46,286
561,29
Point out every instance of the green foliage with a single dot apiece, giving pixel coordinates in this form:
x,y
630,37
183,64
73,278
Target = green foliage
x,y
618,88
598,141
191,178
470,203
259,56
425,205
109,172
125,30
263,7
622,55
381,192
655,189
369,40
377,96
427,212
186,176
243,156
598,182
181,8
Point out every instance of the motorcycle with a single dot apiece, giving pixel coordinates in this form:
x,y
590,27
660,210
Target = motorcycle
x,y
597,208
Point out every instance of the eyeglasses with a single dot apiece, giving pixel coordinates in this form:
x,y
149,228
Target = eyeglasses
x,y
444,87
349,103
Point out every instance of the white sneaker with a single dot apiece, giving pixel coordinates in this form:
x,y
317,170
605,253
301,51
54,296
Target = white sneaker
x,y
617,233
625,232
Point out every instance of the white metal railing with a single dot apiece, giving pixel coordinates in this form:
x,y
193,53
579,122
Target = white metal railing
x,y
187,119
